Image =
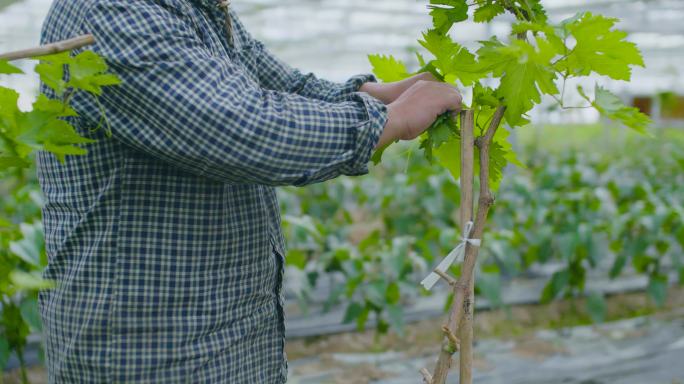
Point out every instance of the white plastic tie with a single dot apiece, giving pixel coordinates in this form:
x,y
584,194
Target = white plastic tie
x,y
457,254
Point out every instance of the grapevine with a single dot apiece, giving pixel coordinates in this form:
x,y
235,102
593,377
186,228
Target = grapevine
x,y
536,64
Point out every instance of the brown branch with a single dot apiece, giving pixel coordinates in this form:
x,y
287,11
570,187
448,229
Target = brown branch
x,y
485,201
50,49
454,342
446,277
463,289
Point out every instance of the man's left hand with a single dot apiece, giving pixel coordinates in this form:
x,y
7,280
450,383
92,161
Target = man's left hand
x,y
389,92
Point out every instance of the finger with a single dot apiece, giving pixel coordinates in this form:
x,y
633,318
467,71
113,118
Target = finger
x,y
456,102
428,76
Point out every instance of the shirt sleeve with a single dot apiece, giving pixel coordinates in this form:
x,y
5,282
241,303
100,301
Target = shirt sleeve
x,y
275,74
186,105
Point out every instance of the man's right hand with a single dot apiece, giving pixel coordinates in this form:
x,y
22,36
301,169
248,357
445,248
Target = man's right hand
x,y
417,108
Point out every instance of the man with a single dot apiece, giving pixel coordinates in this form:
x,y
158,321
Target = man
x,y
165,239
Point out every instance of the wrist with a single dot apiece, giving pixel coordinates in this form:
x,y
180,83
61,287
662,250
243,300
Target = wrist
x,y
390,132
369,88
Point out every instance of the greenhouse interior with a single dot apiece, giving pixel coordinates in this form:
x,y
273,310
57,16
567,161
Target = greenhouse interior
x,y
578,275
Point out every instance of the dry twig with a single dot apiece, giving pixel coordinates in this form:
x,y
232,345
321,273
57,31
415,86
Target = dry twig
x,y
50,49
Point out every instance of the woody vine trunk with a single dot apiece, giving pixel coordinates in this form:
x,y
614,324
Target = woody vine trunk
x,y
462,289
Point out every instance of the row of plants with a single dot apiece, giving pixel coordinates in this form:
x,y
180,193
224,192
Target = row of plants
x,y
612,206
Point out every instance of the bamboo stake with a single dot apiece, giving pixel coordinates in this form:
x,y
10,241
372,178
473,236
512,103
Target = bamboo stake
x,y
462,289
465,331
50,49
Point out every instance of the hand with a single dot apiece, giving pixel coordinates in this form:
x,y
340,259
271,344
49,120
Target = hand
x,y
389,92
417,108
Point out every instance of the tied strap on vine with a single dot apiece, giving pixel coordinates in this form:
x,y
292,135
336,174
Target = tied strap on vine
x,y
456,254
224,5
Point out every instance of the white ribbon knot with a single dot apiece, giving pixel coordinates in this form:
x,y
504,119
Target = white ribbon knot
x,y
456,254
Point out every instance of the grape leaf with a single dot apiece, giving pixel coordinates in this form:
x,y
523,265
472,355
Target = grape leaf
x,y
87,72
42,130
62,58
8,69
487,12
600,48
12,162
29,281
85,64
484,97
550,33
452,60
501,138
387,68
448,155
445,13
56,107
536,10
439,133
612,107
376,158
525,73
52,75
8,107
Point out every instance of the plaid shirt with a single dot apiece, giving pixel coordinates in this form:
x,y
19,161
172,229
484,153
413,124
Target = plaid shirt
x,y
165,239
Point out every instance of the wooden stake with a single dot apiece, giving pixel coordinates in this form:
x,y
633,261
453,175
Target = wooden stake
x,y
50,49
465,332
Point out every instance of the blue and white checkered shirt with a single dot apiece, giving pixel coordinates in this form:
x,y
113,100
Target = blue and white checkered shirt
x,y
165,239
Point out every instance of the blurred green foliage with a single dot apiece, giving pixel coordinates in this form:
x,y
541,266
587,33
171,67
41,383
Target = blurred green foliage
x,y
44,127
589,198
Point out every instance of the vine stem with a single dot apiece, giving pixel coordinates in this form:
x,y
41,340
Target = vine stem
x,y
465,331
50,49
463,289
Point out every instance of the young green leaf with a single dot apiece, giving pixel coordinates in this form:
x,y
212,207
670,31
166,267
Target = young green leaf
x,y
12,162
448,155
612,107
487,12
443,130
29,281
52,75
387,68
87,72
8,69
41,130
525,74
452,60
9,99
445,13
599,48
